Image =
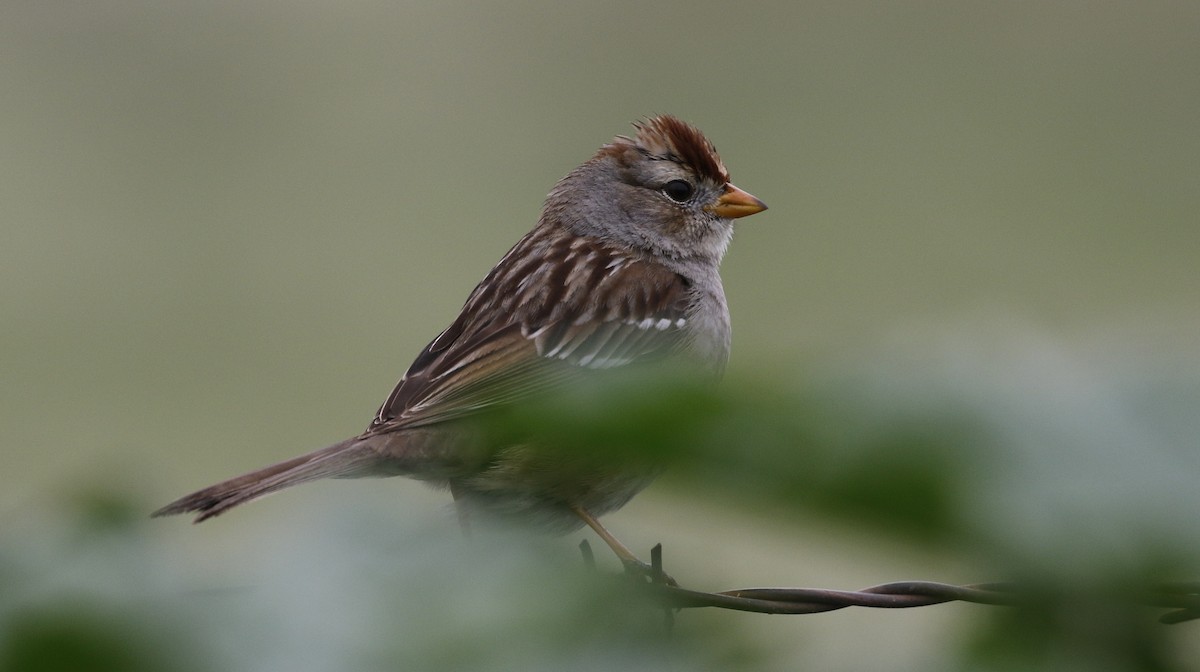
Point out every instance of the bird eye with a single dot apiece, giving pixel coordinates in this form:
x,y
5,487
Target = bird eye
x,y
678,190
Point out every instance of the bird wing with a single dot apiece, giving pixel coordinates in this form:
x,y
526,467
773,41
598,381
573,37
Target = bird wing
x,y
551,310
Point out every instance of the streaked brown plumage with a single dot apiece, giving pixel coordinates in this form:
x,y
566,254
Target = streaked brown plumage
x,y
620,269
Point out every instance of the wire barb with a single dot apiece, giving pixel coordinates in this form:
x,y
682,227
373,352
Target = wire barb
x,y
589,558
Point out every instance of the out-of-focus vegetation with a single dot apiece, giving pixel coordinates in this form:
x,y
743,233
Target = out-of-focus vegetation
x,y
965,331
1040,467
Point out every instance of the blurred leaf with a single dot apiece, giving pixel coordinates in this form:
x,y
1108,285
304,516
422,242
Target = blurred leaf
x,y
1072,628
816,451
72,636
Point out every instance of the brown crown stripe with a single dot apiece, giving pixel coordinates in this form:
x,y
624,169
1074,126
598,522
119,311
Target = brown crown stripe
x,y
685,144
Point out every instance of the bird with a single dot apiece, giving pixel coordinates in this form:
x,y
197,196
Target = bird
x,y
621,269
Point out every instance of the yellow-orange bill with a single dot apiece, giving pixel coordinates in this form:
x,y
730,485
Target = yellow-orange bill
x,y
736,203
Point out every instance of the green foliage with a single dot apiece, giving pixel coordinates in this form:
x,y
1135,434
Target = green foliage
x,y
70,636
825,448
1076,487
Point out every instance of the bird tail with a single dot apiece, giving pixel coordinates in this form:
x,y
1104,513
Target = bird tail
x,y
350,458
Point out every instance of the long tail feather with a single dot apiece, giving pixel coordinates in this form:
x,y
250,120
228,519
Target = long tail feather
x,y
350,458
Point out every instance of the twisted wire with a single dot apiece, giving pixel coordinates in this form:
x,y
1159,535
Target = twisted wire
x,y
1183,598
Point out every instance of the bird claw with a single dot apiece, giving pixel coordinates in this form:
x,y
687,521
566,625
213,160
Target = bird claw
x,y
640,569
634,567
653,571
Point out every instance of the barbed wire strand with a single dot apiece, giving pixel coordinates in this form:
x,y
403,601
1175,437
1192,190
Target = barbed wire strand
x,y
1182,597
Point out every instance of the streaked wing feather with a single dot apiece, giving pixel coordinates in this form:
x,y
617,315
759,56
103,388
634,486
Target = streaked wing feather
x,y
510,372
517,337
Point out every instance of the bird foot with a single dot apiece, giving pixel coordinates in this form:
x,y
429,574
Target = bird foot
x,y
653,571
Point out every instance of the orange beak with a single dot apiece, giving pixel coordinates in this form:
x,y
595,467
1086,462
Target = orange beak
x,y
736,203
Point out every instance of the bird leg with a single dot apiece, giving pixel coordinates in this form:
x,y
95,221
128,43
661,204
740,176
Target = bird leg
x,y
627,557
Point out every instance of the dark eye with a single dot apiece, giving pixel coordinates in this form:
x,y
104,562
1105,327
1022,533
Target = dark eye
x,y
678,190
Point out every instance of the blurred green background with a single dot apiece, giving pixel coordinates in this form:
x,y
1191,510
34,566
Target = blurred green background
x,y
226,228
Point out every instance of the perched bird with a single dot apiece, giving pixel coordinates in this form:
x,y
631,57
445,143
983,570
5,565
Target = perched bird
x,y
621,268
